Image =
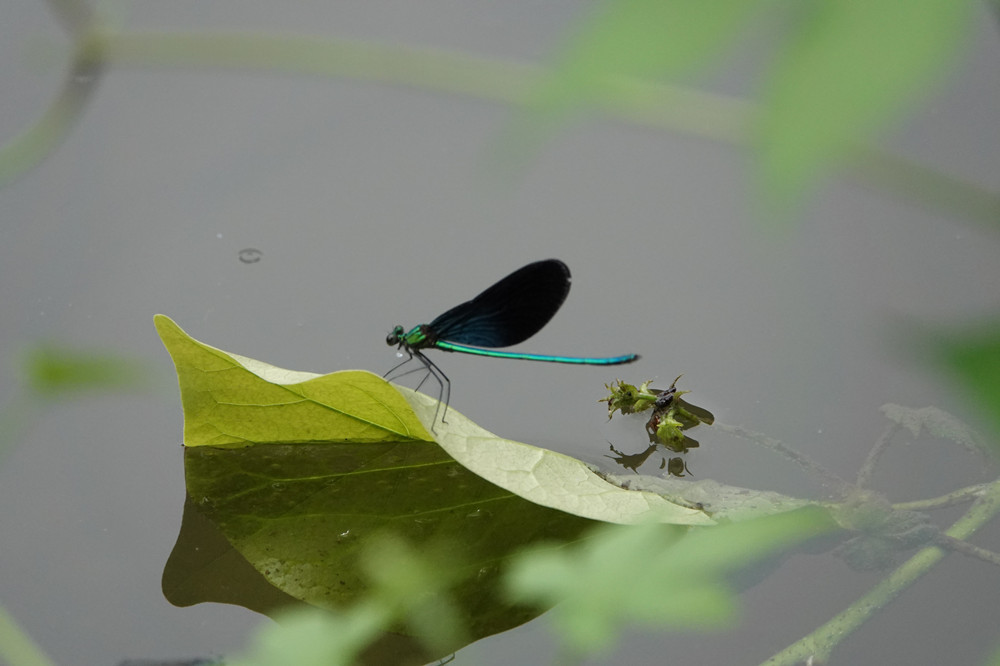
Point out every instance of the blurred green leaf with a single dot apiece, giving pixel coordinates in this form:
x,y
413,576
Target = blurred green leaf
x,y
850,65
53,371
306,637
614,578
415,581
842,71
973,357
643,39
407,585
994,659
651,574
623,41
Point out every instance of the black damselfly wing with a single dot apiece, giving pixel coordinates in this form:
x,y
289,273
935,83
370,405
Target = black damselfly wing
x,y
509,312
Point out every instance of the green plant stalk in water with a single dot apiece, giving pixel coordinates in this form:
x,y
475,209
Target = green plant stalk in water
x,y
818,645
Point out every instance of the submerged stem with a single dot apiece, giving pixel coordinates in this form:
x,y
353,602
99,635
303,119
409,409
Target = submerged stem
x,y
820,644
843,487
960,496
966,548
868,469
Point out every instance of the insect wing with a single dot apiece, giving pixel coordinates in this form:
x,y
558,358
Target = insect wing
x,y
702,414
509,312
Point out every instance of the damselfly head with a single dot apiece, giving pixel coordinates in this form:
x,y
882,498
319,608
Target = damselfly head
x,y
395,337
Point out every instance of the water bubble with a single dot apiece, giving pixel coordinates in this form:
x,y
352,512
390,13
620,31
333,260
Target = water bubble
x,y
250,255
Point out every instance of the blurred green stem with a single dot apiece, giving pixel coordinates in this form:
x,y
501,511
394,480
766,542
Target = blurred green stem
x,y
15,417
673,108
818,645
75,15
34,144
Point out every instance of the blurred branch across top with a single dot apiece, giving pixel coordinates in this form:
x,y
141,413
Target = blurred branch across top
x,y
839,73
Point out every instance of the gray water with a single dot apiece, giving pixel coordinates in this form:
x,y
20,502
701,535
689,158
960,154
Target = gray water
x,y
373,205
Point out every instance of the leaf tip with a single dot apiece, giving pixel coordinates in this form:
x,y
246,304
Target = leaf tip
x,y
164,323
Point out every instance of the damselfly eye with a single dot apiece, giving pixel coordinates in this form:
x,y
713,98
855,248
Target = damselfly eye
x,y
394,337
